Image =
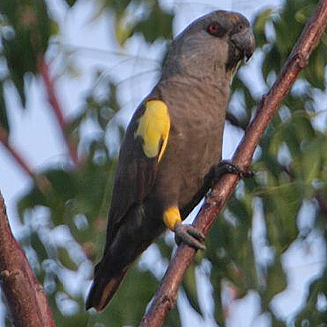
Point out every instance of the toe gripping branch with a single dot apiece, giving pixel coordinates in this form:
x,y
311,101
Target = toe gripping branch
x,y
188,233
225,167
212,177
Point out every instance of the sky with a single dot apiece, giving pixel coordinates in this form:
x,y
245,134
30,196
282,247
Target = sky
x,y
35,135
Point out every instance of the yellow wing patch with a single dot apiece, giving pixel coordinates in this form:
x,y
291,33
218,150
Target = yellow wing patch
x,y
154,126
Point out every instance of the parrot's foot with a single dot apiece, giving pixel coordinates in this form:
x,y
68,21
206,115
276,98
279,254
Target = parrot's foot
x,y
227,167
190,235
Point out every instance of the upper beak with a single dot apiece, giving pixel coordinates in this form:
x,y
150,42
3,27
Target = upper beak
x,y
244,42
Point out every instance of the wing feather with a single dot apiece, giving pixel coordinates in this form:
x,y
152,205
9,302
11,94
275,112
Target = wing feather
x,y
141,151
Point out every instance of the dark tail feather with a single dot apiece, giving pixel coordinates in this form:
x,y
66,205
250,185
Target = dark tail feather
x,y
140,227
103,289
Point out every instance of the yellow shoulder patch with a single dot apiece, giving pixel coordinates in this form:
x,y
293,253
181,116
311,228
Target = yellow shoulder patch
x,y
154,126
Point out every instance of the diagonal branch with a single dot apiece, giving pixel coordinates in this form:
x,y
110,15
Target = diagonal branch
x,y
165,298
26,298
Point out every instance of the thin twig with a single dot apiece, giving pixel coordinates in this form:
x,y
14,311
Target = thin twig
x,y
165,298
26,298
41,181
234,121
50,88
4,139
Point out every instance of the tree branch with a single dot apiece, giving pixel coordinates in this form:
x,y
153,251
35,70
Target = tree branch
x,y
4,139
44,70
165,298
26,298
41,181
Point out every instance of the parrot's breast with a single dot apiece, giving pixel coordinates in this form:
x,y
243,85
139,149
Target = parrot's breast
x,y
197,121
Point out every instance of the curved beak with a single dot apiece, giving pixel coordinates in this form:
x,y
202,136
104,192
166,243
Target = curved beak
x,y
241,46
244,42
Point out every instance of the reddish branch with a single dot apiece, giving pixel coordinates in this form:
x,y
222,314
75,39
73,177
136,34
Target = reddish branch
x,y
4,139
165,298
26,298
44,70
40,180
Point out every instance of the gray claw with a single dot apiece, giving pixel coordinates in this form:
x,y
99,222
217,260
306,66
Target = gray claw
x,y
190,235
236,169
227,167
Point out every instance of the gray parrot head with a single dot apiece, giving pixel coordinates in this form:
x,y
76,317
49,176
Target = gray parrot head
x,y
211,46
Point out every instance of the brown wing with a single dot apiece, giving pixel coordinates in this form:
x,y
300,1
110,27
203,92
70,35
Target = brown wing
x,y
141,150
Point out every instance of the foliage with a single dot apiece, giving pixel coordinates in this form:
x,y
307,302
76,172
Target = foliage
x,y
290,173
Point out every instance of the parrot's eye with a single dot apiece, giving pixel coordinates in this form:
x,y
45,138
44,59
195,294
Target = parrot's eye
x,y
241,27
216,29
213,28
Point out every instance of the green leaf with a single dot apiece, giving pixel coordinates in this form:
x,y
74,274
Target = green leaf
x,y
39,247
276,282
189,285
65,259
157,25
62,183
311,314
61,188
30,200
219,313
281,206
277,322
312,160
3,109
173,319
259,26
315,73
70,3
123,29
32,28
119,6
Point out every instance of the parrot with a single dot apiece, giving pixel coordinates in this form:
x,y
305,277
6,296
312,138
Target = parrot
x,y
171,144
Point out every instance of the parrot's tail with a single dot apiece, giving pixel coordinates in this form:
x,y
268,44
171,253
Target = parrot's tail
x,y
103,289
140,228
